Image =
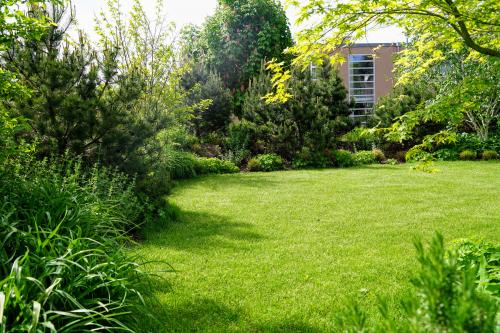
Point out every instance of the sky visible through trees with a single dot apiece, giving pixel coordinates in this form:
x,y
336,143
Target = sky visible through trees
x,y
195,11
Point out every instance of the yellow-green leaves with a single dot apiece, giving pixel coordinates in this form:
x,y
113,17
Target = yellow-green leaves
x,y
279,78
472,23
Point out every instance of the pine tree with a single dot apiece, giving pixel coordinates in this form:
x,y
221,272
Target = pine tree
x,y
76,103
314,118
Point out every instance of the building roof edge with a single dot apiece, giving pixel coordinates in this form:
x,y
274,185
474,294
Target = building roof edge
x,y
396,44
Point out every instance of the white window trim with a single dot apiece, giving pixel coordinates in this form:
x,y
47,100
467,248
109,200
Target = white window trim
x,y
367,111
313,69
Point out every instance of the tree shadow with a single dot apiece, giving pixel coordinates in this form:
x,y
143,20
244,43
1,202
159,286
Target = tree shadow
x,y
254,180
200,231
208,315
288,325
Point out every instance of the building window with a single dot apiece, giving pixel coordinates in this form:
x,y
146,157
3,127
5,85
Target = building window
x,y
362,85
314,71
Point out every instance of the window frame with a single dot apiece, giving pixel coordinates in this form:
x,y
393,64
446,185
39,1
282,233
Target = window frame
x,y
366,112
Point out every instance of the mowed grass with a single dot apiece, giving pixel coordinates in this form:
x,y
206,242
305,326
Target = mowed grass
x,y
285,251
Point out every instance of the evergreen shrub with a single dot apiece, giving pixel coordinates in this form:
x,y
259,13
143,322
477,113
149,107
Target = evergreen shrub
x,y
446,154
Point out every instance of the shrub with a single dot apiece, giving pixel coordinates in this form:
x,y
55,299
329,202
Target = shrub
x,y
363,157
484,256
379,155
468,141
238,141
316,116
180,164
448,295
446,155
307,159
468,155
361,139
418,155
266,162
63,266
214,165
342,158
489,155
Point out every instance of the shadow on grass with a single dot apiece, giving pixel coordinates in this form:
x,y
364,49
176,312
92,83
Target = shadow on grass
x,y
253,181
208,315
198,231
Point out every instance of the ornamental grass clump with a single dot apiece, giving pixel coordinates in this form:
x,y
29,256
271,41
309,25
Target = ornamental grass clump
x,y
379,155
63,267
488,155
468,155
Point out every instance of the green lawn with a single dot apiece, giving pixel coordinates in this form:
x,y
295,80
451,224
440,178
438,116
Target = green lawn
x,y
284,251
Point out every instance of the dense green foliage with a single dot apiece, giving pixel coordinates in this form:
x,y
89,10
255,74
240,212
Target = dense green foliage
x,y
63,267
136,109
313,119
208,86
465,100
468,155
72,105
403,99
342,158
363,157
265,162
241,35
214,165
228,50
489,155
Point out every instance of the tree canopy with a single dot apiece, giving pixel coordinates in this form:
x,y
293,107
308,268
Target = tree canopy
x,y
241,35
458,23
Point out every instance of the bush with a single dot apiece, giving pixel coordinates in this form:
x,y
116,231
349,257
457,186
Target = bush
x,y
489,155
342,158
379,155
418,155
180,164
361,139
450,294
468,155
307,159
266,162
214,165
238,142
391,161
63,266
468,141
446,155
363,157
484,256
